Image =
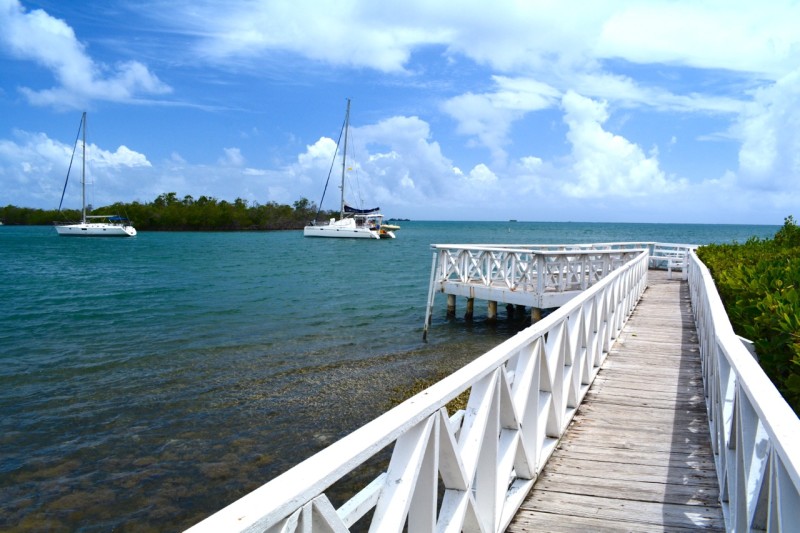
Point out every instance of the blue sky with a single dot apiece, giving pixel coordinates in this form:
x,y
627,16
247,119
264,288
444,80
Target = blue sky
x,y
627,111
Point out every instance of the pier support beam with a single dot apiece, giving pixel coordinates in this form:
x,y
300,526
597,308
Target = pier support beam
x,y
491,315
451,305
470,309
536,315
510,311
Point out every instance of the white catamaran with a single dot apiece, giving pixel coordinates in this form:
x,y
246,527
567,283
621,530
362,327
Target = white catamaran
x,y
92,225
353,223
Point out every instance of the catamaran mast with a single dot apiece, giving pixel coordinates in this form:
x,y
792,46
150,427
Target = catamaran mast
x,y
83,173
344,157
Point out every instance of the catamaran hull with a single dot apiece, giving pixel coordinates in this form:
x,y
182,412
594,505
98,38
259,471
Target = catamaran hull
x,y
340,233
95,230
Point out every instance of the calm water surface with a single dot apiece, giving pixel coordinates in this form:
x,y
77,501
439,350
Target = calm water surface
x,y
145,383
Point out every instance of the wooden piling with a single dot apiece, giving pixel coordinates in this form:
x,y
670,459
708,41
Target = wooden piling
x,y
451,305
470,309
491,315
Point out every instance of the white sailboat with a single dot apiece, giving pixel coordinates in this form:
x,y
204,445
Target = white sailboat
x,y
92,225
353,223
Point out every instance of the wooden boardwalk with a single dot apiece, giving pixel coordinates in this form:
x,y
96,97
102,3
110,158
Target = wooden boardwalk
x,y
637,456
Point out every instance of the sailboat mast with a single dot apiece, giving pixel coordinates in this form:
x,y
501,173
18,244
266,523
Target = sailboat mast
x,y
83,173
344,156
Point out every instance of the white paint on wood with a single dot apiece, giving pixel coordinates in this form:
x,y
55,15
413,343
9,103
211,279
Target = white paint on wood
x,y
754,432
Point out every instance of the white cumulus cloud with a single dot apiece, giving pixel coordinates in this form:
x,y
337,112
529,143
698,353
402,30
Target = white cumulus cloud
x,y
769,130
121,157
605,164
481,174
35,166
232,157
489,116
52,43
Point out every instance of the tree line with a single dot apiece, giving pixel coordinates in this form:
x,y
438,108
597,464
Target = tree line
x,y
170,213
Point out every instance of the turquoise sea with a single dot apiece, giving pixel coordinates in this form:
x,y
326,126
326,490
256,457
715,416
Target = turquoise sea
x,y
146,383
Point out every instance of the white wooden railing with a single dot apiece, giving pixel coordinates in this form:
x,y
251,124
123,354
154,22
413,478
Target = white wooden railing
x,y
536,275
755,434
522,396
671,257
555,268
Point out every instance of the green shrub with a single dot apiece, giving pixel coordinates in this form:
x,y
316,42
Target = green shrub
x,y
759,283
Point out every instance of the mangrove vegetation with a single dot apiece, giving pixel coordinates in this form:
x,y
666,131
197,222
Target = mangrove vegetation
x,y
168,212
759,283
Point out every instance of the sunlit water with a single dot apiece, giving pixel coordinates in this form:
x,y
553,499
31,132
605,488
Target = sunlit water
x,y
147,382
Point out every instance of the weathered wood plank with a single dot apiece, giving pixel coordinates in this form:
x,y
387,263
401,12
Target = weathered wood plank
x,y
622,470
633,441
637,456
536,522
701,456
640,391
627,510
613,401
640,490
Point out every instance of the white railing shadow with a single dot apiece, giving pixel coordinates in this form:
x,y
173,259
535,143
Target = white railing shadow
x,y
755,434
479,463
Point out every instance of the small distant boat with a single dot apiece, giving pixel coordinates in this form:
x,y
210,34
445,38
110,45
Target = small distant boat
x,y
92,225
353,223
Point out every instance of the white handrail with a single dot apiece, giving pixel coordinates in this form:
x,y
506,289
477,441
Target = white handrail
x,y
755,434
523,394
543,267
532,270
527,269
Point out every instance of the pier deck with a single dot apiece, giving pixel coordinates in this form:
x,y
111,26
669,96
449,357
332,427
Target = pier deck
x,y
637,455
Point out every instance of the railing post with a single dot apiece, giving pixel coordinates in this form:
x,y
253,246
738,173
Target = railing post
x,y
540,273
511,275
431,294
585,271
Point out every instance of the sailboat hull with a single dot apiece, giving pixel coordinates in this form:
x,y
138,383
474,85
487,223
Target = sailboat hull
x,y
324,231
341,229
95,230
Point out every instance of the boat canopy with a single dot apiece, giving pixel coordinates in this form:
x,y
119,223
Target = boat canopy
x,y
348,209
